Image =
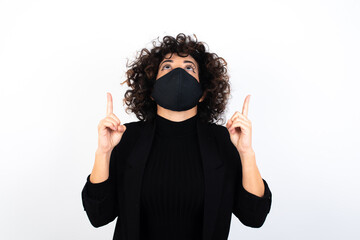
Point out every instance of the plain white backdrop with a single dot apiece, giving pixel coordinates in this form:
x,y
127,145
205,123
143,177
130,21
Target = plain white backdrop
x,y
298,59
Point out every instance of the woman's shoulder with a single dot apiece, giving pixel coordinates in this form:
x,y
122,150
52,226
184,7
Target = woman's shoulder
x,y
219,130
221,133
133,129
134,124
222,136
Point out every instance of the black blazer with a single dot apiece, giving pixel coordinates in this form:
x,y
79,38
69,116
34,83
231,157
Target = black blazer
x,y
119,195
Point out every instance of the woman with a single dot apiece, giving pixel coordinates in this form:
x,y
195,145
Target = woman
x,y
176,174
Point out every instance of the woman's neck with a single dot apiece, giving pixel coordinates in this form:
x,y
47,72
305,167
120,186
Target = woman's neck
x,y
176,116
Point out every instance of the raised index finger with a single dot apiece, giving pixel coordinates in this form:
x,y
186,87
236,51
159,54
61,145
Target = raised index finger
x,y
109,107
246,106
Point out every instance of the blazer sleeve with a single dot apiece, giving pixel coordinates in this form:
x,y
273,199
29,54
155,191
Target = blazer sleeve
x,y
100,199
250,209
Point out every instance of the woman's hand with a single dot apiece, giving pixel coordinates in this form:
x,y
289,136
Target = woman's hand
x,y
239,127
110,129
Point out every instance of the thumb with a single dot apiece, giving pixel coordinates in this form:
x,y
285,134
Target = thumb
x,y
232,131
121,128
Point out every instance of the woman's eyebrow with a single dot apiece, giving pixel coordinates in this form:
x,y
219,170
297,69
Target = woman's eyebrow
x,y
165,62
185,61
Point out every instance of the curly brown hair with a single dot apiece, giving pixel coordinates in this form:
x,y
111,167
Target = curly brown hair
x,y
143,70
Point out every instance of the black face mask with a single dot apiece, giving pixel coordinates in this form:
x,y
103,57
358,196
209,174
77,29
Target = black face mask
x,y
177,90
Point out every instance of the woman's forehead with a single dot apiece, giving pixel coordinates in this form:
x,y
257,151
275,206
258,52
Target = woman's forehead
x,y
176,57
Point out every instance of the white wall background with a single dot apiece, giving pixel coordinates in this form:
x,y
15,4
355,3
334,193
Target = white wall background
x,y
298,59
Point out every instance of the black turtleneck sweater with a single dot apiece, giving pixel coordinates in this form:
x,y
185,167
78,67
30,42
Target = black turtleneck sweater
x,y
172,192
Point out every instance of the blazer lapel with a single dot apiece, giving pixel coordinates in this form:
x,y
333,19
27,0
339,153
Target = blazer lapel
x,y
213,168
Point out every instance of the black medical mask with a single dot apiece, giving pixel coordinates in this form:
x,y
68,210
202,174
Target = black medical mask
x,y
177,90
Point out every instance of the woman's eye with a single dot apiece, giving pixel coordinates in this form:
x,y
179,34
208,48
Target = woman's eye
x,y
189,66
166,66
